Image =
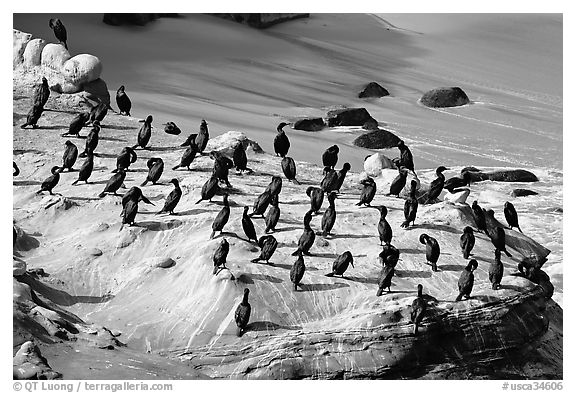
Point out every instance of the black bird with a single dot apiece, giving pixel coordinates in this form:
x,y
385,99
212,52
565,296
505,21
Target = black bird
x,y
368,192
203,137
479,218
341,264
172,129
123,101
173,198
316,196
129,211
145,133
248,226
466,280
384,228
98,112
86,169
389,255
458,182
219,256
289,169
275,185
16,169
329,182
418,309
59,31
281,142
406,159
242,314
437,185
222,165
273,215
496,270
221,218
51,181
155,169
399,182
330,156
77,123
33,116
385,279
410,206
114,183
209,189
261,204
92,139
41,93
342,175
511,216
329,217
267,245
467,241
297,270
498,238
136,194
239,158
126,157
432,250
189,153
308,236
69,156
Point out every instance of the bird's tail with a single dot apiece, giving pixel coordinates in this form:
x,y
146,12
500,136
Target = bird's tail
x,y
75,181
465,254
200,200
379,292
83,154
255,260
359,203
102,194
331,274
216,268
295,252
176,167
296,181
415,328
144,183
405,224
507,253
135,146
295,287
115,170
239,331
121,227
520,230
24,125
494,286
459,297
212,235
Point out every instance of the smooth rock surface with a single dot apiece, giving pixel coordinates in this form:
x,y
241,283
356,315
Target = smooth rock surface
x,y
312,124
444,97
373,90
380,139
348,117
33,52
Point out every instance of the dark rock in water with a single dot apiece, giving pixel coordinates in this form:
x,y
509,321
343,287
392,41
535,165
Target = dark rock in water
x,y
171,128
261,21
312,124
371,125
380,139
520,192
443,97
132,19
510,175
348,117
469,169
373,89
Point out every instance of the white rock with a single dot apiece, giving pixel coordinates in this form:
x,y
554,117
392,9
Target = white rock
x,y
82,69
226,142
18,268
20,39
161,262
33,52
457,197
374,164
21,292
54,56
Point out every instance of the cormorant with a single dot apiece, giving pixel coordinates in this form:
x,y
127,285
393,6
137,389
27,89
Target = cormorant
x,y
308,236
368,192
281,142
466,280
341,264
242,314
410,206
221,218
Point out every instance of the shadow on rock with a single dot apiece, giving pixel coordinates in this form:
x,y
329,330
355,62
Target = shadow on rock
x,y
267,325
322,287
413,274
159,226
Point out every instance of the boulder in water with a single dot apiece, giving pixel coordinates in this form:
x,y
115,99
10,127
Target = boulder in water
x,y
132,19
380,139
311,124
348,117
374,164
505,175
373,90
371,125
261,21
444,97
521,192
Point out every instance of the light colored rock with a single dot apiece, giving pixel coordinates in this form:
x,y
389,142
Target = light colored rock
x,y
374,164
161,262
457,197
33,52
226,142
18,268
96,252
19,41
21,292
28,363
82,69
54,56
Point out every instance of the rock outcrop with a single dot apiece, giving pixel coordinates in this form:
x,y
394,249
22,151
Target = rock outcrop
x,y
261,21
226,142
380,139
444,97
28,363
310,124
133,19
348,117
504,175
374,164
521,192
66,74
373,90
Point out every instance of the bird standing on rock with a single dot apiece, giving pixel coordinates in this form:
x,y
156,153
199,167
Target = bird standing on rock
x,y
432,250
222,217
203,137
399,182
189,153
136,194
330,180
368,192
275,186
340,264
330,156
341,176
261,204
209,189
220,255
59,31
222,165
273,215
33,116
98,112
155,169
51,181
86,169
126,157
316,196
114,183
298,269
467,241
458,182
130,205
248,226
267,245
466,280
281,141
239,158
437,185
384,228
418,309
406,159
308,236
172,199
123,101
145,133
496,270
92,139
389,255
41,93
511,216
479,218
289,169
410,206
385,279
77,123
329,217
242,314
69,157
